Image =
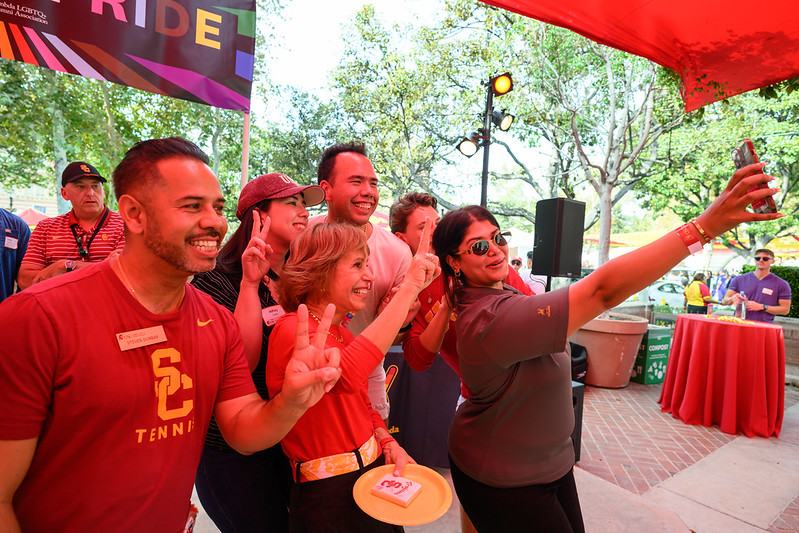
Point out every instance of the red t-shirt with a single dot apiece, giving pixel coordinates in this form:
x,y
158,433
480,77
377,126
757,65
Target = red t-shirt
x,y
53,240
431,299
343,419
120,432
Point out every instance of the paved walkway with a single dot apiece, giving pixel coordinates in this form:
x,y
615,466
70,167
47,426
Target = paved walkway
x,y
643,470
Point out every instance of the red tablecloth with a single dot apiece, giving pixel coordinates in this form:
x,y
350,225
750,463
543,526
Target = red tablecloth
x,y
728,372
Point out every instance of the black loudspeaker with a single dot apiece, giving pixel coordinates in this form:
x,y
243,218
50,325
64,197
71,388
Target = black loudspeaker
x,y
579,362
578,392
558,246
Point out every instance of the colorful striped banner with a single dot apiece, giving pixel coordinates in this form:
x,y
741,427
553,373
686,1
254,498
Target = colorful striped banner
x,y
190,49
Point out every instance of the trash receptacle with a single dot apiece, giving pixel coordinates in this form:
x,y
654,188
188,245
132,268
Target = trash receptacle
x,y
653,355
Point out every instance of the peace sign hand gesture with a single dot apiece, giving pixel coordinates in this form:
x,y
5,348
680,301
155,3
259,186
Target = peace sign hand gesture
x,y
424,266
312,370
255,259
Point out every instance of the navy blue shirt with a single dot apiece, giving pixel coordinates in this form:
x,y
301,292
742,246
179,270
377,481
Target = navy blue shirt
x,y
15,235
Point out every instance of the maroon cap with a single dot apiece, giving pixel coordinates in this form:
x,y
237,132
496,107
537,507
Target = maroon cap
x,y
275,185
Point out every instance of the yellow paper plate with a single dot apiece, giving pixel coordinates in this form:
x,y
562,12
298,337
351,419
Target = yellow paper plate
x,y
431,503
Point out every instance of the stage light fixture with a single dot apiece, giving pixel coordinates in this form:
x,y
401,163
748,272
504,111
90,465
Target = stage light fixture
x,y
468,146
502,120
502,84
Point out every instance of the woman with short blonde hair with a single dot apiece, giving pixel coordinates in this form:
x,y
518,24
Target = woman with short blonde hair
x,y
341,437
313,257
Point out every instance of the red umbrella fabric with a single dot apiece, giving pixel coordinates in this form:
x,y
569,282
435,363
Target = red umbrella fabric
x,y
719,49
31,216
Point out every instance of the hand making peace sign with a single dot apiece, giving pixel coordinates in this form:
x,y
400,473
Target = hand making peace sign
x,y
255,259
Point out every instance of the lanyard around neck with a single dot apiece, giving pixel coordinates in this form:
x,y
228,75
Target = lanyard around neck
x,y
94,233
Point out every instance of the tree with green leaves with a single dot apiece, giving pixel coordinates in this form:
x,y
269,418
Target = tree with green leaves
x,y
596,113
699,162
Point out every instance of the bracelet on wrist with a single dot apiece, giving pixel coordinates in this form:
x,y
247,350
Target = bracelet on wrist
x,y
705,236
690,240
403,329
385,441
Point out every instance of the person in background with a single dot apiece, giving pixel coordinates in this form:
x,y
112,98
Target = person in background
x,y
104,423
15,233
250,493
697,295
87,234
350,183
536,282
719,285
767,294
709,279
516,263
431,333
510,445
342,436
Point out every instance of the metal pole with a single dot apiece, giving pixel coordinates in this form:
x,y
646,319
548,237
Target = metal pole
x,y
245,149
486,144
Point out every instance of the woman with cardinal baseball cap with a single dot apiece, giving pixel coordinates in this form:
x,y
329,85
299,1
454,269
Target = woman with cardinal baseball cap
x,y
272,210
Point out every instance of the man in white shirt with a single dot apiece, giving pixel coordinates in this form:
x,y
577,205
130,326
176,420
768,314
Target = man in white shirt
x,y
350,183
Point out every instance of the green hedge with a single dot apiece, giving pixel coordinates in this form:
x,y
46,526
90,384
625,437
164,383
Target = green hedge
x,y
789,274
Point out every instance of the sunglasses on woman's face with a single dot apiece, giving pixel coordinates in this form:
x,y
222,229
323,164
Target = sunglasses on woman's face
x,y
515,262
481,247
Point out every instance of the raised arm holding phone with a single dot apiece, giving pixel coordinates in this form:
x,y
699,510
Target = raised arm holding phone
x,y
510,442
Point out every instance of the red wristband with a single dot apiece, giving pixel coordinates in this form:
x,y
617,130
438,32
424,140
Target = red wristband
x,y
690,240
385,441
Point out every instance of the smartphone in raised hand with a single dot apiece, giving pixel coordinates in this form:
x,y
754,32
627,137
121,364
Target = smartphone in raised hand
x,y
743,155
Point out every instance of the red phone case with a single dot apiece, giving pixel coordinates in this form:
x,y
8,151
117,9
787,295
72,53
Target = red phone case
x,y
745,155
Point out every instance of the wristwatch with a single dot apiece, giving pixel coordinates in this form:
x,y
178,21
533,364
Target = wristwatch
x,y
765,307
70,265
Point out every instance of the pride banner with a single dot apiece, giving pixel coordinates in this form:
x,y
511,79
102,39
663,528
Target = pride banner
x,y
198,50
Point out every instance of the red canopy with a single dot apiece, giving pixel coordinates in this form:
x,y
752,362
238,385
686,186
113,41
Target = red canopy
x,y
31,216
719,48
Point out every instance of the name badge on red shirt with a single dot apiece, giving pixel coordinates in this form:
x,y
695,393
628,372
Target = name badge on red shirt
x,y
138,338
271,314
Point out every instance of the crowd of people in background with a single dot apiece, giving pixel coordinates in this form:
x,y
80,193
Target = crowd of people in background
x,y
147,354
763,293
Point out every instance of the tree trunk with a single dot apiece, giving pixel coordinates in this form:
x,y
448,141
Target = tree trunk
x,y
59,143
605,222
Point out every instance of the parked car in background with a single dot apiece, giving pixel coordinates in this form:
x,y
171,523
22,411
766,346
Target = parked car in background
x,y
665,293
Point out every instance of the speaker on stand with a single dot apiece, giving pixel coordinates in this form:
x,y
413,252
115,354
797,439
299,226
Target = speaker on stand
x,y
558,243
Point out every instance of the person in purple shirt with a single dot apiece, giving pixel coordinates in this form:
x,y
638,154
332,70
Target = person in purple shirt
x,y
766,294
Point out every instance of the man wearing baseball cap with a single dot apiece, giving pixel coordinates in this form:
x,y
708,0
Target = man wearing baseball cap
x,y
89,233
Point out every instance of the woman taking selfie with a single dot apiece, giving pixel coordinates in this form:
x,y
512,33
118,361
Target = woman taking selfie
x,y
510,448
341,437
249,493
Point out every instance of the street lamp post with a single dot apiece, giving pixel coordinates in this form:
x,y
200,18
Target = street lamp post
x,y
486,144
497,85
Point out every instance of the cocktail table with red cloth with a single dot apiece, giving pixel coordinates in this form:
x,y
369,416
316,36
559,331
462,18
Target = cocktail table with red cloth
x,y
726,371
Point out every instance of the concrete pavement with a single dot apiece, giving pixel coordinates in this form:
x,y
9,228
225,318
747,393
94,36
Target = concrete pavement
x,y
742,487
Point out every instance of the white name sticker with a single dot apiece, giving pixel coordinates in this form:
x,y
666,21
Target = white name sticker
x,y
768,291
11,242
129,340
271,314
